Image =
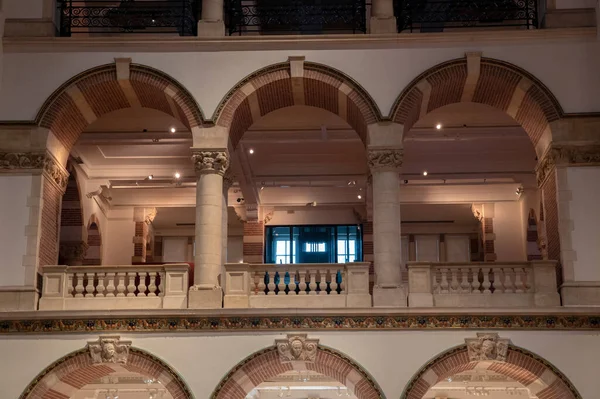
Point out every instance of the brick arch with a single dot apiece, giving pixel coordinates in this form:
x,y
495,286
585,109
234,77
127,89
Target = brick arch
x,y
75,370
283,85
265,364
544,380
101,90
496,83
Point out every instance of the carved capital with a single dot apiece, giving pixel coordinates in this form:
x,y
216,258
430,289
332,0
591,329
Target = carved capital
x,y
564,155
297,347
385,159
268,217
73,251
109,349
149,218
477,212
487,346
210,161
54,171
15,161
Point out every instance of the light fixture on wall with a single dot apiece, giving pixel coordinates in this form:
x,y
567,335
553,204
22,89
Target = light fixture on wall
x,y
150,177
520,191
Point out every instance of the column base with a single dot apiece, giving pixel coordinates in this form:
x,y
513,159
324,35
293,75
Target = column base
x,y
211,28
380,25
205,297
389,297
580,293
420,300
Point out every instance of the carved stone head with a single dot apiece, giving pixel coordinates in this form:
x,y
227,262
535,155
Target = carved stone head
x,y
109,349
297,347
487,347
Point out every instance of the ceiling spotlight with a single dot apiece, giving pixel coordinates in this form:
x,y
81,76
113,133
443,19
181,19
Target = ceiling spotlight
x,y
173,130
177,175
251,151
425,173
359,196
150,177
519,191
352,183
438,126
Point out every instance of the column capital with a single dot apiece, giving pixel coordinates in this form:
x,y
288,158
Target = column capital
x,y
208,161
565,155
17,162
384,158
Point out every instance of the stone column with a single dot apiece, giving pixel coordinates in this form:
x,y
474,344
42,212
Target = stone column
x,y
212,23
227,183
382,17
385,166
210,165
143,218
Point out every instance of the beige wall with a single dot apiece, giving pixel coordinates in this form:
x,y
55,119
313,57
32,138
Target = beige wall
x,y
118,244
509,242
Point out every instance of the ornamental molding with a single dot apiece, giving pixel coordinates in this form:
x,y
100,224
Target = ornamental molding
x,y
208,161
44,161
297,347
487,346
385,158
55,171
565,155
109,349
73,250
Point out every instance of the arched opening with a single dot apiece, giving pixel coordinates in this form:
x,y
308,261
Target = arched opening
x,y
93,255
501,373
132,373
72,246
266,374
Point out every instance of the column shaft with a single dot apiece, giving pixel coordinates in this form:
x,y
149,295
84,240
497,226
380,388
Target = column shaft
x,y
212,10
382,8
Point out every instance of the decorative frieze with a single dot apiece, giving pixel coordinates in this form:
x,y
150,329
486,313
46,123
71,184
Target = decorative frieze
x,y
211,161
385,158
566,155
18,161
487,346
54,171
109,349
297,347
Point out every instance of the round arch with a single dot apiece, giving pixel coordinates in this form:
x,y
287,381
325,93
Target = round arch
x,y
75,370
496,83
106,88
93,255
286,84
532,371
265,364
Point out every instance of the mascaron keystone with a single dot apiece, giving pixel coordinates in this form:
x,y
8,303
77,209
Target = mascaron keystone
x,y
487,346
211,161
297,348
109,349
385,158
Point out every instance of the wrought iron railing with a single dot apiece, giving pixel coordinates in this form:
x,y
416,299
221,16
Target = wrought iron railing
x,y
443,15
295,16
128,16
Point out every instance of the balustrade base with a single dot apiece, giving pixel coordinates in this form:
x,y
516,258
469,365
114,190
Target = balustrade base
x,y
201,298
18,298
381,25
420,300
389,297
96,303
211,28
580,293
298,301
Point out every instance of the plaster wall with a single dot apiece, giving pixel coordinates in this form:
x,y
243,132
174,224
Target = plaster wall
x,y
118,245
584,186
313,216
175,249
566,4
392,358
384,73
235,249
509,232
26,9
14,219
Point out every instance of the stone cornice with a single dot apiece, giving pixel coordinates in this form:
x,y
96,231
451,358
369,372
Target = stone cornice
x,y
565,155
210,161
385,158
19,162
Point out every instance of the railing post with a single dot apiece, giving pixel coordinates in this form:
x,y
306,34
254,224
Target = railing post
x,y
357,285
237,285
382,17
544,280
420,293
54,288
175,286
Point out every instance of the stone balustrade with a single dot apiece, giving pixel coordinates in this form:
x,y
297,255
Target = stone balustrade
x,y
115,287
485,284
333,285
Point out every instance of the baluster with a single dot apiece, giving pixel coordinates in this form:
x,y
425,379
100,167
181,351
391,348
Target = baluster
x,y
152,285
110,286
79,286
436,284
454,285
261,282
100,287
142,285
282,283
529,280
271,286
323,275
444,285
508,283
486,280
342,283
161,285
312,286
498,286
465,287
131,283
71,284
121,284
302,285
87,292
475,282
519,287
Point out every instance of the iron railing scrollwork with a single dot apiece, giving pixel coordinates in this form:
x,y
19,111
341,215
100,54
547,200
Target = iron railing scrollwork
x,y
444,15
128,16
295,16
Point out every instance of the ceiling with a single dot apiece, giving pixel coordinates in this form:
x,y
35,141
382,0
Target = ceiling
x,y
301,385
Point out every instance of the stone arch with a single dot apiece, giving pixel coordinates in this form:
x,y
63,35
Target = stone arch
x,y
93,255
106,88
295,82
75,370
543,379
265,364
496,83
